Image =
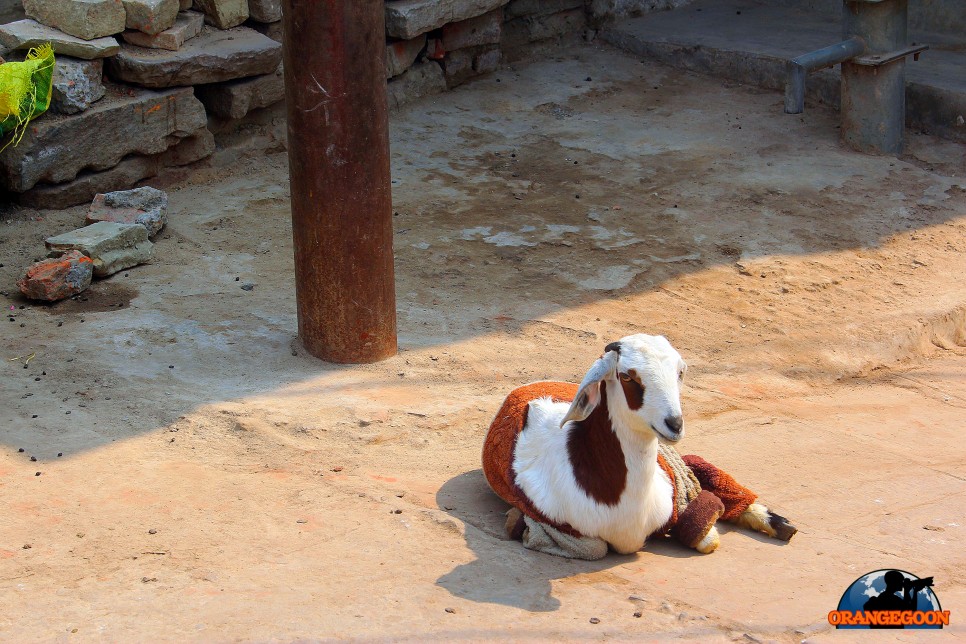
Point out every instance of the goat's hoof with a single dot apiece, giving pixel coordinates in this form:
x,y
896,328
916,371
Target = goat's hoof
x,y
709,543
783,529
758,517
514,524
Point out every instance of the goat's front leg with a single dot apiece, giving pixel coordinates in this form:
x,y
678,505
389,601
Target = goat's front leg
x,y
695,526
740,502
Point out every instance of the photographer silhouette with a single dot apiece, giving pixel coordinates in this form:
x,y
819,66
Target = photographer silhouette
x,y
889,600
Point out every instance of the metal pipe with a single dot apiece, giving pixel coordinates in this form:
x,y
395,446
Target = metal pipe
x,y
798,68
338,134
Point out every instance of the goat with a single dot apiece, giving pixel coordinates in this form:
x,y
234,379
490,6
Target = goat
x,y
585,459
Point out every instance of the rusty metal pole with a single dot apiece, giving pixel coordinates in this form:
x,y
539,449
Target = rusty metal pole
x,y
338,134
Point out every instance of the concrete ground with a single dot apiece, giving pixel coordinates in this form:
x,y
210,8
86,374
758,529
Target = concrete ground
x,y
750,40
198,477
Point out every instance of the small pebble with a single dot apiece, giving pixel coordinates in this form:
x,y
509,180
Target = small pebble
x,y
638,613
59,454
397,511
37,474
33,459
20,450
247,287
450,610
594,620
301,521
27,546
152,531
33,415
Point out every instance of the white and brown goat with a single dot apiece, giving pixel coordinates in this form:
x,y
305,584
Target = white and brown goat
x,y
585,459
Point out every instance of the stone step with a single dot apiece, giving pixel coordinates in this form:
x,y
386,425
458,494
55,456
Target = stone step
x,y
111,246
223,14
132,169
406,19
750,42
265,11
213,56
151,16
86,19
27,33
76,84
56,148
187,26
145,206
235,99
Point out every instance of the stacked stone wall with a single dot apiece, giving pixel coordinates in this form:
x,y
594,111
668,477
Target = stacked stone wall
x,y
141,85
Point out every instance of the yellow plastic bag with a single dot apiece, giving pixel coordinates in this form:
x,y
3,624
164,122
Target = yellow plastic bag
x,y
25,90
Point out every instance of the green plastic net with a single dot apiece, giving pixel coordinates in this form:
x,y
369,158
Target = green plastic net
x,y
25,90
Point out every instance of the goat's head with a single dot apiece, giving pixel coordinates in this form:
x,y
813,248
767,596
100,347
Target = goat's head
x,y
646,370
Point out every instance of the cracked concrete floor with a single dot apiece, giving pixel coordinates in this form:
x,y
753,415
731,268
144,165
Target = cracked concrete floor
x,y
202,479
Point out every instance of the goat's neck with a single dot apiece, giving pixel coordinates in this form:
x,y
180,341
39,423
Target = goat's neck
x,y
609,458
640,447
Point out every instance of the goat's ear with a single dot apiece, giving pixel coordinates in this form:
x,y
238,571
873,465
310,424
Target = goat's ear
x,y
588,395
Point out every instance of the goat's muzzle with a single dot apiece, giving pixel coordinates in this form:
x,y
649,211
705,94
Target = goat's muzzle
x,y
672,429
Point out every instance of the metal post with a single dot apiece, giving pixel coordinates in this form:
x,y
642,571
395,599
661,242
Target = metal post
x,y
338,134
874,95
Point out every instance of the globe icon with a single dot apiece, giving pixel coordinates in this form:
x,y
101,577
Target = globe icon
x,y
873,584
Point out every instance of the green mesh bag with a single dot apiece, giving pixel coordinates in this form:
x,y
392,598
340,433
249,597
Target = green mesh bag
x,y
25,90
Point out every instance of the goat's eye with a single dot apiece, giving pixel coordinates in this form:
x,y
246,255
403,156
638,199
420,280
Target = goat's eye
x,y
624,377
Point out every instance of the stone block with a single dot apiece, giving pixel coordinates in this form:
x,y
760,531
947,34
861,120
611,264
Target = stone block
x,y
273,30
517,8
401,55
57,278
77,84
56,148
235,99
86,19
406,19
151,16
223,14
145,206
487,61
25,34
266,11
189,149
127,173
112,247
463,64
522,31
481,30
187,25
422,79
213,56
186,4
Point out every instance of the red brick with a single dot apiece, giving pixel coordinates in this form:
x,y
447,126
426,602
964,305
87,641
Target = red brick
x,y
58,278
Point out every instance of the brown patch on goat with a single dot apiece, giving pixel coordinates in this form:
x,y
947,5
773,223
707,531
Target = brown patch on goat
x,y
633,390
596,456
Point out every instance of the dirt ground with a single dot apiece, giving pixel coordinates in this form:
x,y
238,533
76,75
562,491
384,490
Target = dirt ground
x,y
199,477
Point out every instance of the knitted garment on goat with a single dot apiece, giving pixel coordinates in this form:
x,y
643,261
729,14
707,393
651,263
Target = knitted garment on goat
x,y
698,485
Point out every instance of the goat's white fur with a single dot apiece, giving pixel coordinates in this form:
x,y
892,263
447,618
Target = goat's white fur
x,y
543,468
